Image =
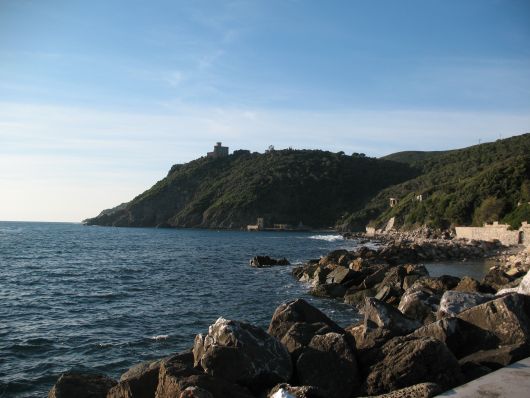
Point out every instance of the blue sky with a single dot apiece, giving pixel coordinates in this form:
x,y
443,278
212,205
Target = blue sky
x,y
99,98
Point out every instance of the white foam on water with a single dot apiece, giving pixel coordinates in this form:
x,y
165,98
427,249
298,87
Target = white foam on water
x,y
160,337
329,238
281,393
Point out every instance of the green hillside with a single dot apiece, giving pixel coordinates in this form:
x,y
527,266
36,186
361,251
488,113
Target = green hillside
x,y
284,186
473,185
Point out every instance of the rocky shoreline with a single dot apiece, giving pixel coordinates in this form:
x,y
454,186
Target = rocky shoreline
x,y
420,335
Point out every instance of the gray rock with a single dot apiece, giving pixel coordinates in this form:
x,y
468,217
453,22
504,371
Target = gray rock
x,y
329,364
422,390
505,318
461,337
419,304
320,274
375,278
298,311
81,385
340,275
243,354
453,302
300,335
378,314
331,290
358,297
407,361
381,322
140,381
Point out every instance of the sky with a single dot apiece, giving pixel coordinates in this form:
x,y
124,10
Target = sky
x,y
99,98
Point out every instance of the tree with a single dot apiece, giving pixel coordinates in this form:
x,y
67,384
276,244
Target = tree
x,y
489,210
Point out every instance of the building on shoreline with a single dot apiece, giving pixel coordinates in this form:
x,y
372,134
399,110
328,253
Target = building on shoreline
x,y
219,151
496,231
259,226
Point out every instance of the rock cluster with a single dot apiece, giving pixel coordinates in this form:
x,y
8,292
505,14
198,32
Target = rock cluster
x,y
513,261
305,354
420,335
266,261
392,274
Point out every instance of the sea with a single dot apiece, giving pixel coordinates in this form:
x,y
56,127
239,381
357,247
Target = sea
x,y
101,299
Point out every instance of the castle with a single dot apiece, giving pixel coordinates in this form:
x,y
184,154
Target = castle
x,y
219,151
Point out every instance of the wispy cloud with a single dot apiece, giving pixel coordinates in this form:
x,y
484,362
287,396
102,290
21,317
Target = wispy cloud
x,y
174,78
97,158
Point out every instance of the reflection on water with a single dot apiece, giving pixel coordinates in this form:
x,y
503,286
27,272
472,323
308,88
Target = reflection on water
x,y
475,269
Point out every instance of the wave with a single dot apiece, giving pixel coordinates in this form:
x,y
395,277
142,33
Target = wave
x,y
329,238
160,337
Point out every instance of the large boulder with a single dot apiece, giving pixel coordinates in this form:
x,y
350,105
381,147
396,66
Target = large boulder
x,y
505,318
140,381
300,312
381,315
419,304
242,353
329,364
461,337
406,361
382,322
81,385
301,334
453,302
178,378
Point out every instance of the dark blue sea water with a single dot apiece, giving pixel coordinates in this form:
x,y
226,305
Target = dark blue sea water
x,y
103,299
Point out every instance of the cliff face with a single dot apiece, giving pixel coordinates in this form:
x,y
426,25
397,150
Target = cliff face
x,y
286,186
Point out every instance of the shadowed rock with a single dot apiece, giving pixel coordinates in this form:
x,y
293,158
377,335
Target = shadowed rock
x,y
504,317
298,311
329,364
178,378
81,385
406,361
140,381
498,357
461,337
266,261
